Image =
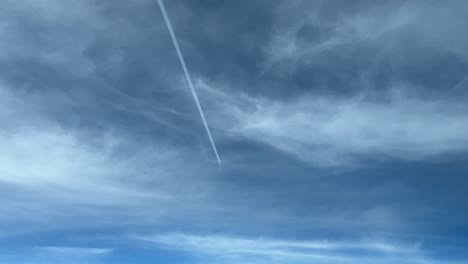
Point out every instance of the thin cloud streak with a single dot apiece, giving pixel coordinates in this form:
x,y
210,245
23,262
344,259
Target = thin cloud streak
x,y
187,76
76,250
229,249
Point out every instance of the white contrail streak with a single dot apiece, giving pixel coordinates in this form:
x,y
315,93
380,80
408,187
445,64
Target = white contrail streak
x,y
187,75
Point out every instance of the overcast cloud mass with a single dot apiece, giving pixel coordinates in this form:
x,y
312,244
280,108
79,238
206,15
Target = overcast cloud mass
x,y
342,127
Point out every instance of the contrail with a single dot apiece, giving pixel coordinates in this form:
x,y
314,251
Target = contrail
x,y
187,75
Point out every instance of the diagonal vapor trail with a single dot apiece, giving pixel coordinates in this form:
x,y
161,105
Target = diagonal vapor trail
x,y
187,76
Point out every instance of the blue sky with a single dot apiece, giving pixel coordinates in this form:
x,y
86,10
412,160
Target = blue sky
x,y
341,126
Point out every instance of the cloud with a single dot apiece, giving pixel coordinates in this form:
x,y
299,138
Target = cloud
x,y
67,95
77,251
50,172
334,132
342,49
232,249
100,137
57,254
348,83
67,255
41,22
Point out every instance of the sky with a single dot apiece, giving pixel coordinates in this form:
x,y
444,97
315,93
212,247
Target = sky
x,y
341,127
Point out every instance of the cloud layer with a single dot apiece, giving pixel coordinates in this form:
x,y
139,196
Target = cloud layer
x,y
342,128
228,249
340,132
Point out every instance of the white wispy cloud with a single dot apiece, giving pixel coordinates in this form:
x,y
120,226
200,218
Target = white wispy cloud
x,y
58,172
77,251
58,176
67,255
338,132
235,249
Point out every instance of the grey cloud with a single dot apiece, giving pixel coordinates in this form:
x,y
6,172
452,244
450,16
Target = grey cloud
x,y
352,128
363,46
